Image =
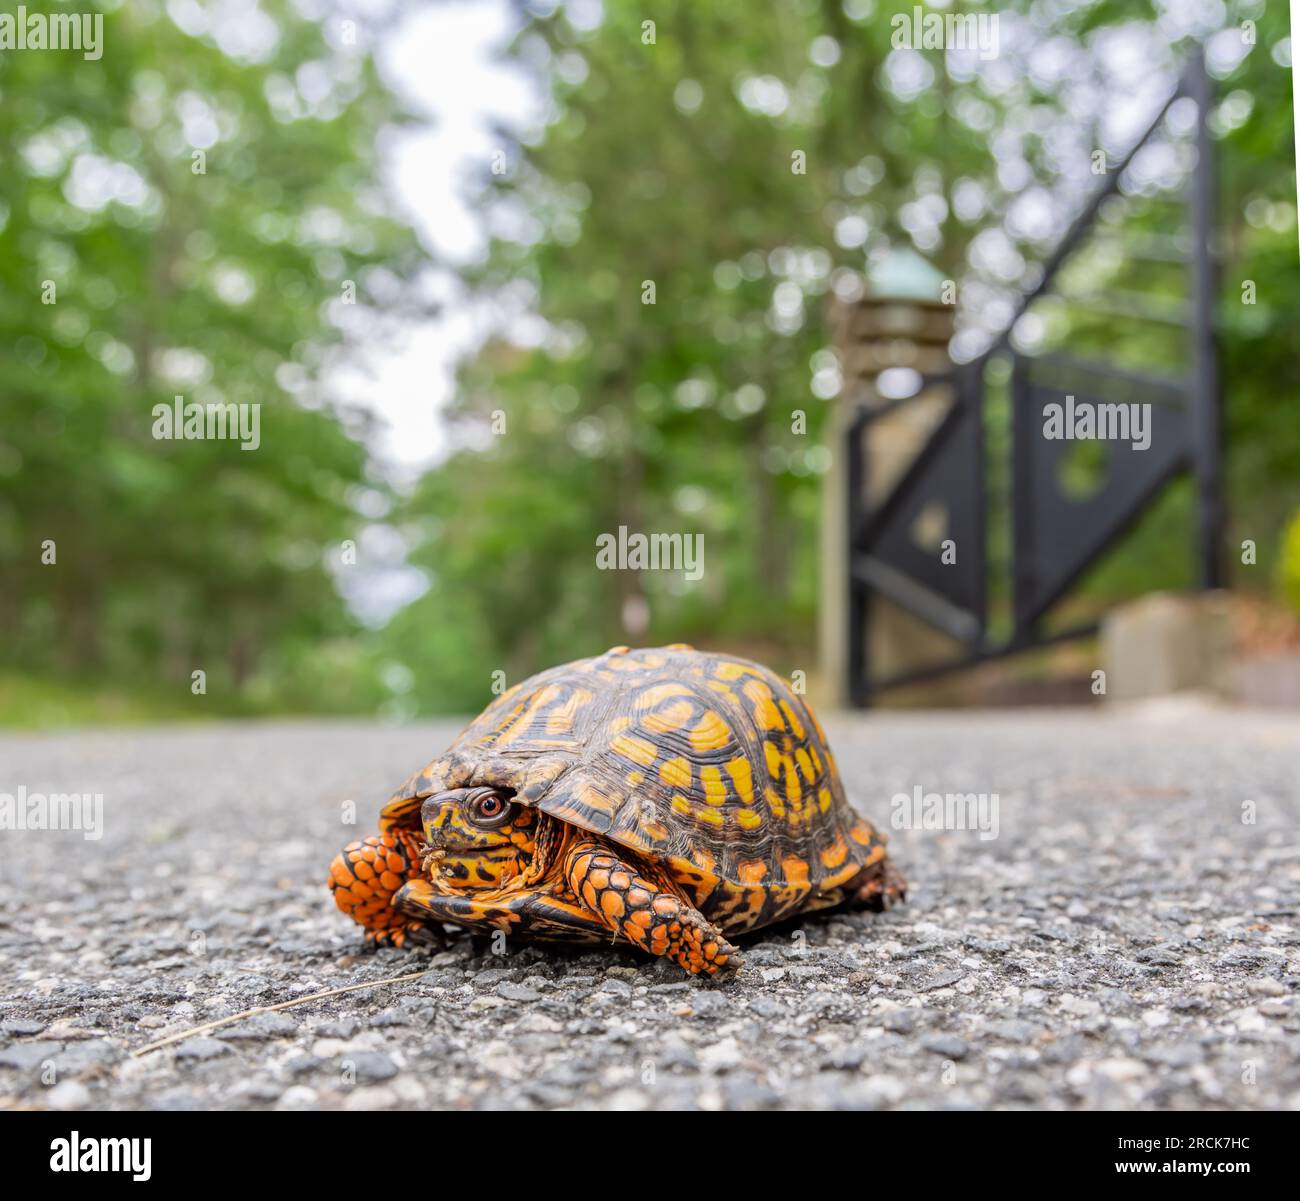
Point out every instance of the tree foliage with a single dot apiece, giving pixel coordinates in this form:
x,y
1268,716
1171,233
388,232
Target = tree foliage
x,y
180,218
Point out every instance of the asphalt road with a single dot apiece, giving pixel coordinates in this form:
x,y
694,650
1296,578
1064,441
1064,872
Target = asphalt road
x,y
1130,937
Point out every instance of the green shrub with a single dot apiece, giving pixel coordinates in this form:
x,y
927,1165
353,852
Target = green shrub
x,y
1288,572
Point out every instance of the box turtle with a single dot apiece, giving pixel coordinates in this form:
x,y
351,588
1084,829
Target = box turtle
x,y
668,797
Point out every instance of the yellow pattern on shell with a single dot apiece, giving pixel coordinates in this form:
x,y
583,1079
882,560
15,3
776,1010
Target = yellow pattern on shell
x,y
711,734
742,776
795,724
715,791
766,713
639,750
669,720
663,692
676,773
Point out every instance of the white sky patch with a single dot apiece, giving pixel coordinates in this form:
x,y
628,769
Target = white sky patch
x,y
443,61
1295,94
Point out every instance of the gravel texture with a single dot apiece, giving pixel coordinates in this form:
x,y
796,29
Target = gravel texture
x,y
1126,941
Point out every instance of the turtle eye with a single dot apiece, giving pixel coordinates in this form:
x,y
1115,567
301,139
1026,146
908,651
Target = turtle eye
x,y
488,809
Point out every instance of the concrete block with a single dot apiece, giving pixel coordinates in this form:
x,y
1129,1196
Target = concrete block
x,y
1162,644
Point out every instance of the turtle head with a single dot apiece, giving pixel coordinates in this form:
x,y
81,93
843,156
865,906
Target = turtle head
x,y
477,837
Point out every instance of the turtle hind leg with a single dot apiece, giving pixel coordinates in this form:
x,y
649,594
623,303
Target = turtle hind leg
x,y
644,913
365,878
882,887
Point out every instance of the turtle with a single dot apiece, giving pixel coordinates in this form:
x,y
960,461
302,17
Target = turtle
x,y
667,797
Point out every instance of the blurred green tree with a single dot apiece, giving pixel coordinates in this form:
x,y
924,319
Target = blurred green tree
x,y
185,217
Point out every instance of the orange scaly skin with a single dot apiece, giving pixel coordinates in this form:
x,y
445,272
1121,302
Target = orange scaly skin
x,y
366,876
665,797
652,919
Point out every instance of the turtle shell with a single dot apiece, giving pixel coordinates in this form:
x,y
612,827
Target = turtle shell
x,y
708,765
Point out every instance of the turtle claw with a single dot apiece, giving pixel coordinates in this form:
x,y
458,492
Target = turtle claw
x,y
412,936
724,975
426,937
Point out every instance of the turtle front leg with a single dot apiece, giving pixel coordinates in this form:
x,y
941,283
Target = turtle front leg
x,y
528,913
365,878
645,914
